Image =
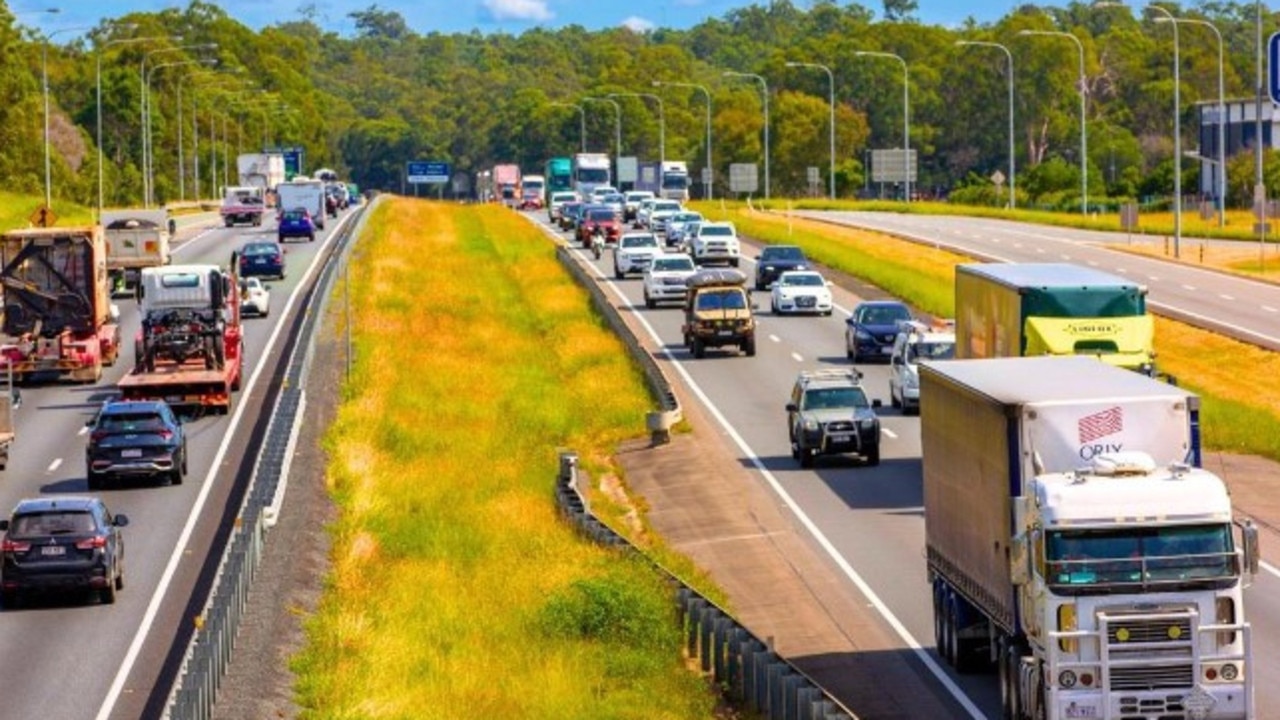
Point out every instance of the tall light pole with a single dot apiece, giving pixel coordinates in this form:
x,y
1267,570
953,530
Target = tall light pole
x,y
149,170
1167,17
1259,187
764,92
617,124
662,121
145,106
1013,188
1222,119
582,122
98,100
906,117
660,83
44,82
831,100
1084,91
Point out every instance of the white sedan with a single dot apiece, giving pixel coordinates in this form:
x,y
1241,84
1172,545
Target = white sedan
x,y
255,298
633,253
666,279
801,291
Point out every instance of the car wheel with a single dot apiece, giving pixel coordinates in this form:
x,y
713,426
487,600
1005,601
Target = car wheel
x,y
749,347
648,301
759,285
699,348
826,313
12,599
107,595
94,482
873,456
311,237
175,476
734,262
280,239
806,458
893,399
617,273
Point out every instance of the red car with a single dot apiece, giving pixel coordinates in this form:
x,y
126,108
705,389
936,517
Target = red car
x,y
599,217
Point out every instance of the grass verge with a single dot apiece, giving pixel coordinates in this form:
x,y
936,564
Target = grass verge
x,y
455,590
1238,415
16,211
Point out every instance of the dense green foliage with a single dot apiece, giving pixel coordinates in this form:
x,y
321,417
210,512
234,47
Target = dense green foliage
x,y
365,104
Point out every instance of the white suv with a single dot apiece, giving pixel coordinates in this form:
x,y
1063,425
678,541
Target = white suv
x,y
634,253
716,242
667,279
632,204
915,342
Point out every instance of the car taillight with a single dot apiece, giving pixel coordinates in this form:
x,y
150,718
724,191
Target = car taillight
x,y
98,436
92,543
11,546
165,434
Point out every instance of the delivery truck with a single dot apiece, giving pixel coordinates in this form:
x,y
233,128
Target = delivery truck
x,y
1074,545
1012,309
136,238
590,171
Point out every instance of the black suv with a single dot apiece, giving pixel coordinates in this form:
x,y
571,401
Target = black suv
x,y
775,260
829,414
135,438
62,543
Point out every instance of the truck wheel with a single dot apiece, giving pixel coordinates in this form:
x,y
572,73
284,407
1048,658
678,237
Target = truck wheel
x,y
230,222
699,348
873,456
1007,657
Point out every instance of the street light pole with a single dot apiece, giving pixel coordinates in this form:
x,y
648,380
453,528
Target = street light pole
x,y
1222,119
831,101
1084,141
764,92
145,109
659,83
582,122
906,117
1168,17
98,100
44,82
149,170
662,121
1013,188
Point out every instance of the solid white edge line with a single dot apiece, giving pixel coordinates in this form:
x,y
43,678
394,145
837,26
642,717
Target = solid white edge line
x,y
179,548
57,462
1269,568
903,634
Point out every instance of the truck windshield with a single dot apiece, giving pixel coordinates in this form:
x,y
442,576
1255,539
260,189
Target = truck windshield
x,y
1086,302
1083,562
675,182
593,175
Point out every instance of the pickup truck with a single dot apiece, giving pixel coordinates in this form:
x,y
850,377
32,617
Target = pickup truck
x,y
243,205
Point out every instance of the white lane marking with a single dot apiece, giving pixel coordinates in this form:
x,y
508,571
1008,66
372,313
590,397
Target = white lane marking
x,y
1122,270
83,430
775,338
1268,308
1039,251
797,357
57,462
1152,278
180,547
1017,246
888,433
849,572
1269,568
1093,263
1212,322
1065,256
1188,287
1224,296
995,241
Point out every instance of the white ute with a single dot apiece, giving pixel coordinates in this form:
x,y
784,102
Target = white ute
x,y
634,253
716,242
666,280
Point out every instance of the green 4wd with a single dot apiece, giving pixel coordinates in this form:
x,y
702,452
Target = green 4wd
x,y
718,312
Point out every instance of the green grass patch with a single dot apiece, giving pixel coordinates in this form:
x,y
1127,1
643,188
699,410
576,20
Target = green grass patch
x,y
16,211
1237,417
456,590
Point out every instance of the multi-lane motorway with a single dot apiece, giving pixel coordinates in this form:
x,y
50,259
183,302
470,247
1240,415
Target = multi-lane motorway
x,y
870,520
74,660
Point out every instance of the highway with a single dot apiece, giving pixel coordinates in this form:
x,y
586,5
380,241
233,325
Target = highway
x,y
67,659
1246,309
870,520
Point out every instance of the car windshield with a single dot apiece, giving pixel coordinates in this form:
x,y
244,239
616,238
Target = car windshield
x,y
835,398
719,230
721,301
295,216
672,264
601,215
613,199
883,314
936,350
59,522
666,207
258,249
781,253
131,422
636,241
637,197
805,280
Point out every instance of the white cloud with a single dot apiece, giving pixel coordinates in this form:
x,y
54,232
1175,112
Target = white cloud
x,y
528,10
638,24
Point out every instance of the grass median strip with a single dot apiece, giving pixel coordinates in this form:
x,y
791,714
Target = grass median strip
x,y
455,589
1239,383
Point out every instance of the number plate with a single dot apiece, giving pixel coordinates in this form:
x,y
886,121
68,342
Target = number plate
x,y
886,351
131,453
260,261
840,437
1081,711
725,333
53,550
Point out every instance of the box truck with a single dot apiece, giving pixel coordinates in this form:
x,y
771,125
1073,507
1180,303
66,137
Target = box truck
x,y
1011,309
1074,544
675,180
590,171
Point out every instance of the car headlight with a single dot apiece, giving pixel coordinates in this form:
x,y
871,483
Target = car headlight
x,y
913,380
810,424
863,334
867,423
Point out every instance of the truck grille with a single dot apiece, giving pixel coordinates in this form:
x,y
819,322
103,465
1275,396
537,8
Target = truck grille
x,y
840,426
1131,632
1169,677
1151,653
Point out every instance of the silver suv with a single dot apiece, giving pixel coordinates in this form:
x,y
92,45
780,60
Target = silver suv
x,y
915,342
829,414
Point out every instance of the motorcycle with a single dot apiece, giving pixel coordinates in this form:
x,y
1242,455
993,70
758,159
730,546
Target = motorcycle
x,y
597,242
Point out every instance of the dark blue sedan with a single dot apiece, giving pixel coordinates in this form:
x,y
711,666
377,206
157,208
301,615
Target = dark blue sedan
x,y
296,223
262,259
870,330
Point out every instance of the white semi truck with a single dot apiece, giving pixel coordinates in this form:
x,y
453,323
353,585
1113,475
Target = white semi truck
x,y
1074,544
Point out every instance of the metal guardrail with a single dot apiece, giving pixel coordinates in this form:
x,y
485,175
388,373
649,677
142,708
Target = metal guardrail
x,y
210,649
743,666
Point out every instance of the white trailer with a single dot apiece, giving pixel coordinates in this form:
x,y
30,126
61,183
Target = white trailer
x,y
263,170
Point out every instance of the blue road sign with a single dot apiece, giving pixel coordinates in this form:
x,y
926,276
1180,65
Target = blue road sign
x,y
428,171
1273,67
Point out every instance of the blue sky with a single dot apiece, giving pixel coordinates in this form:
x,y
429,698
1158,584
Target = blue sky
x,y
510,16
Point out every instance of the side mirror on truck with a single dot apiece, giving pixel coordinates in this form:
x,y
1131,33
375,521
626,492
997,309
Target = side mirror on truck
x,y
1019,563
1249,541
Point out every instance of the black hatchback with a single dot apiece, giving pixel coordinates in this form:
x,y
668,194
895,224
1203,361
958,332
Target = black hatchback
x,y
135,438
61,544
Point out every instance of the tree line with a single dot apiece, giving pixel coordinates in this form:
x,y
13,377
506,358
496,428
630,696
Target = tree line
x,y
367,102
